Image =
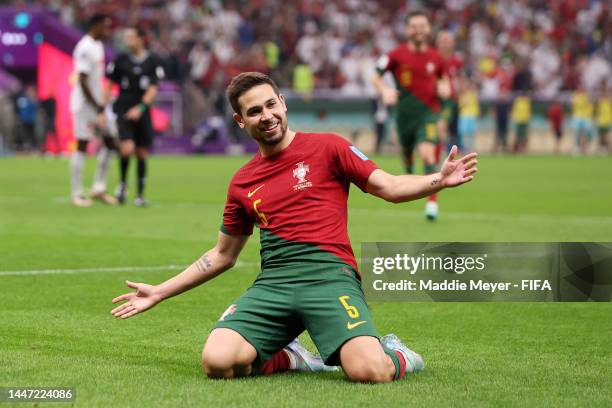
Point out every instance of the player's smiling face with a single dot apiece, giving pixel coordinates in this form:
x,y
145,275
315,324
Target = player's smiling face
x,y
263,114
418,30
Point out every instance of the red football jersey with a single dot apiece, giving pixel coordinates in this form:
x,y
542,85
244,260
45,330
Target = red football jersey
x,y
416,73
296,197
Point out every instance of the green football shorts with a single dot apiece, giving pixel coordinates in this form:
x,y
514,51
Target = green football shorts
x,y
448,105
415,130
324,299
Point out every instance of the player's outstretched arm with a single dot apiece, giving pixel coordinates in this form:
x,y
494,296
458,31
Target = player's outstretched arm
x,y
214,262
399,189
388,95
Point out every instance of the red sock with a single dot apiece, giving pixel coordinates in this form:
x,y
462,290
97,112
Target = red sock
x,y
279,363
402,363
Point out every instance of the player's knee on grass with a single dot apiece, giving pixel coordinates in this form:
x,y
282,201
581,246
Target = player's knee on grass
x,y
226,354
364,360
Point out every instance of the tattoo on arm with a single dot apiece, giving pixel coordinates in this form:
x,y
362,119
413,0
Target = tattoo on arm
x,y
203,263
435,181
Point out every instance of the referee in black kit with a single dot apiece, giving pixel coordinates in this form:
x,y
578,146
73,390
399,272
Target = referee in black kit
x,y
137,73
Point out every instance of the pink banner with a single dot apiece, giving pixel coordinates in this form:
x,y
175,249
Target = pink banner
x,y
54,80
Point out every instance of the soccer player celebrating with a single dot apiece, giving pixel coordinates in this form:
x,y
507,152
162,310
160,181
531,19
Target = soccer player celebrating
x,y
87,107
295,189
420,77
137,73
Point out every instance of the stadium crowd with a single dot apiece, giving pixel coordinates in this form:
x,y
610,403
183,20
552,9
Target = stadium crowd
x,y
333,43
541,46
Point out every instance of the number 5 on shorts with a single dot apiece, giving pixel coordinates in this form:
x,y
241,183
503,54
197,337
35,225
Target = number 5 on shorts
x,y
350,310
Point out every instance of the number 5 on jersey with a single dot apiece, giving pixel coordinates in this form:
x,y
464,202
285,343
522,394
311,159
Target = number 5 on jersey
x,y
260,214
350,310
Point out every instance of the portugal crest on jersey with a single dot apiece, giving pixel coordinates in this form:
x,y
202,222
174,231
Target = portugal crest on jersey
x,y
300,172
430,67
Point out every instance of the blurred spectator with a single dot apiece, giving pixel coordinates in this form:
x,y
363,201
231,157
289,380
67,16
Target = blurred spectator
x,y
502,121
582,120
7,119
27,109
604,115
596,71
544,37
469,111
545,70
49,111
540,47
303,79
522,81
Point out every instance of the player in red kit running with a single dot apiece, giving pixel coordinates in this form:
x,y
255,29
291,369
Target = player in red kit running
x,y
421,79
295,189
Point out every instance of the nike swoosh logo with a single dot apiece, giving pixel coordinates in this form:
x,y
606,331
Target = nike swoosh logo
x,y
351,326
250,193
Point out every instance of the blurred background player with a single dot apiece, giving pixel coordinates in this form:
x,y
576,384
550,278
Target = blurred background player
x,y
502,109
604,116
521,116
445,43
87,107
555,116
418,70
137,73
582,120
469,111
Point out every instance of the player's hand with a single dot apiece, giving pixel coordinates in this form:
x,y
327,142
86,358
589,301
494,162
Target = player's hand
x,y
460,171
143,298
390,96
134,113
444,88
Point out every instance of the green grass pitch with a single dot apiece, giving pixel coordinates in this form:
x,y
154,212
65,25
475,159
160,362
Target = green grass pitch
x,y
60,266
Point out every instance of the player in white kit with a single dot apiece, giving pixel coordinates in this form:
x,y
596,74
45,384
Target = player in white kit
x,y
87,104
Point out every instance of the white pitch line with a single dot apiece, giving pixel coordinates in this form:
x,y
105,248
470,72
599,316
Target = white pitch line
x,y
90,270
109,269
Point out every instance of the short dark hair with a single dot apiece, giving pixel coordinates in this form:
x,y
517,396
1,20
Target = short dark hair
x,y
417,13
96,19
243,82
140,32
